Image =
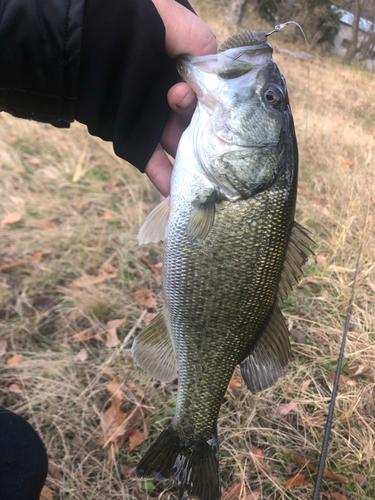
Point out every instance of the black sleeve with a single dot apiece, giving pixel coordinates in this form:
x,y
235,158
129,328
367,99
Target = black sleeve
x,y
101,62
125,76
39,58
23,459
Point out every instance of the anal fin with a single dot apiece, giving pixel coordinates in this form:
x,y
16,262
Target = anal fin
x,y
153,350
270,355
297,255
155,226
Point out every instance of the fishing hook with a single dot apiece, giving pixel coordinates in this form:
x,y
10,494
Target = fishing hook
x,y
279,27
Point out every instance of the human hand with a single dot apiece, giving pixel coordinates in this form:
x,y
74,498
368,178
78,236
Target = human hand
x,y
185,33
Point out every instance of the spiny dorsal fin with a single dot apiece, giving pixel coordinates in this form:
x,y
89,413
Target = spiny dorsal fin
x,y
270,355
153,350
297,255
155,227
244,39
202,218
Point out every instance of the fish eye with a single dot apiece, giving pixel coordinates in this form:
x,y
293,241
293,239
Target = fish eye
x,y
272,96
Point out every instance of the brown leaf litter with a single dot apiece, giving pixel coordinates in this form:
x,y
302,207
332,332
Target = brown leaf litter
x,y
46,494
86,335
144,297
42,223
82,355
298,480
14,360
284,409
16,389
157,268
11,219
312,468
338,496
305,385
11,265
235,382
90,280
112,339
116,425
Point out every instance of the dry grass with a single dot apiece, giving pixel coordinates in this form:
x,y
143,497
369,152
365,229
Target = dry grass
x,y
62,397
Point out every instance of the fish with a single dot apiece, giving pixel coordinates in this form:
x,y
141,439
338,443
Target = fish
x,y
232,252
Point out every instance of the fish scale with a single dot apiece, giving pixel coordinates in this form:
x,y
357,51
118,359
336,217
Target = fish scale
x,y
232,316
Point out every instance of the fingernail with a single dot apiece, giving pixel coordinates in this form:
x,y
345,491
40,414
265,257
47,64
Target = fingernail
x,y
187,101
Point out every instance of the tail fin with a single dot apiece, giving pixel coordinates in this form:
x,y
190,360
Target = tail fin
x,y
195,468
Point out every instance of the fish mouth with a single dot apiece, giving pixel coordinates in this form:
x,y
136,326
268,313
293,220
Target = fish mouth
x,y
255,50
208,75
252,56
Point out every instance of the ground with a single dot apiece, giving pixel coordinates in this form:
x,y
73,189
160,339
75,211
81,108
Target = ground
x,y
67,195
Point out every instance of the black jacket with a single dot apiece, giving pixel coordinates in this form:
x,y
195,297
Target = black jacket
x,y
101,62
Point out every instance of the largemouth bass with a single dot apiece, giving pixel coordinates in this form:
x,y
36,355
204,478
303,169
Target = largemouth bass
x,y
232,251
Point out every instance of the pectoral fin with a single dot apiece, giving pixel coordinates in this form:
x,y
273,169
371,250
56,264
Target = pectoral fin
x,y
155,227
270,355
153,350
202,218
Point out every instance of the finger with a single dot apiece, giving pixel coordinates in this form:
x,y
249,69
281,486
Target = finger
x,y
182,101
172,134
159,171
185,33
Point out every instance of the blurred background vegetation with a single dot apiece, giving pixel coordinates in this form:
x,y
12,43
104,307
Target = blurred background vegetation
x,y
321,21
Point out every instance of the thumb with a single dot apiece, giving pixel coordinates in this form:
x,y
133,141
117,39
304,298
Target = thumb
x,y
185,33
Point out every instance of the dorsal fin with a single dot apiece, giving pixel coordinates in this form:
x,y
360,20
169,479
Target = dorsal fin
x,y
244,39
155,227
269,356
297,255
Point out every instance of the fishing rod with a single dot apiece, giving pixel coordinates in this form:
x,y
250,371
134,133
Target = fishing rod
x,y
323,454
